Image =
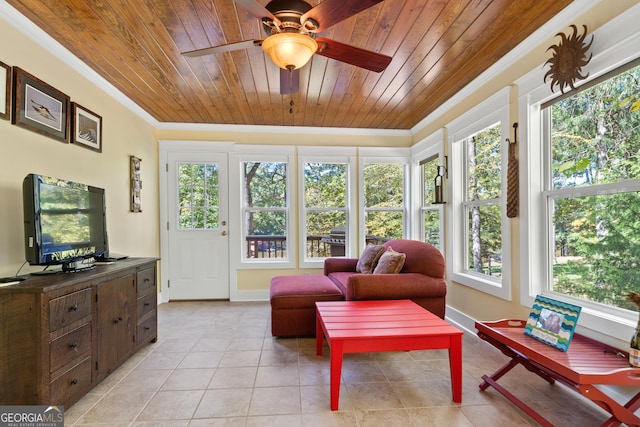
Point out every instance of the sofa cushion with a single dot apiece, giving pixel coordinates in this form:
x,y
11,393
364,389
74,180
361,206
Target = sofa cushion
x,y
302,291
340,279
421,257
369,258
391,262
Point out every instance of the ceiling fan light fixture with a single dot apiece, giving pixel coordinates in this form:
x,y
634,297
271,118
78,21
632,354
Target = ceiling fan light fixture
x,y
289,50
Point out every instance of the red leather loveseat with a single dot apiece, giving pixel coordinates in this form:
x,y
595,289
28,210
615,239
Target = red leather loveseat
x,y
421,279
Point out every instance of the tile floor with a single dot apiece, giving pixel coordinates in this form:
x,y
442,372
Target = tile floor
x,y
216,364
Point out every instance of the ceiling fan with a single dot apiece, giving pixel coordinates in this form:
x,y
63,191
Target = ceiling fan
x,y
292,26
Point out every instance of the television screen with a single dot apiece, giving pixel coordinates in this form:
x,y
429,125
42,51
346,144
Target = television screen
x,y
64,221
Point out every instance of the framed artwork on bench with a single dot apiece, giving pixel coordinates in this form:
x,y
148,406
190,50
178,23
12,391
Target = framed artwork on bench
x,y
552,322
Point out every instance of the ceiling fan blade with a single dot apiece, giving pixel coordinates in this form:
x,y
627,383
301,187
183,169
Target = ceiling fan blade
x,y
223,48
257,10
362,58
289,81
330,12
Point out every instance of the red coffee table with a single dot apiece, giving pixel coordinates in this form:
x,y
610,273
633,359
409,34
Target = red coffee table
x,y
395,325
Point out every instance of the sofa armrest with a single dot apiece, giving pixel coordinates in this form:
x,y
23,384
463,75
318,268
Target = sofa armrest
x,y
332,265
394,286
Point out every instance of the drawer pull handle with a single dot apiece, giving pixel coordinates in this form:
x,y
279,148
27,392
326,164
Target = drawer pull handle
x,y
146,328
74,346
146,304
73,308
146,280
74,381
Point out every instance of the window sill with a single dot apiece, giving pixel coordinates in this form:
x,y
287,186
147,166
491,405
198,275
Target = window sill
x,y
479,282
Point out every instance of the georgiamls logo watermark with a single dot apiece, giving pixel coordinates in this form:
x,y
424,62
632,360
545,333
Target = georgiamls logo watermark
x,y
31,416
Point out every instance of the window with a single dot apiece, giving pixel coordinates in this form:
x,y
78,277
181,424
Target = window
x,y
198,196
578,171
265,209
478,147
482,202
325,204
325,201
592,196
429,212
384,201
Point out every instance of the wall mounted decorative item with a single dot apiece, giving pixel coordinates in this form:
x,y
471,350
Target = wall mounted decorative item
x,y
569,56
513,196
136,184
5,91
87,128
40,107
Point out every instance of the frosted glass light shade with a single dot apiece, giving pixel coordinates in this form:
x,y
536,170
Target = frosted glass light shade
x,y
288,50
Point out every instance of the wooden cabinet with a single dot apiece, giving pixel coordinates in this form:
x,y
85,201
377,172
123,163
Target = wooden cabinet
x,y
115,322
62,334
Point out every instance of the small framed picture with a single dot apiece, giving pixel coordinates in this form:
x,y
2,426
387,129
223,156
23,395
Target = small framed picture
x,y
136,183
552,322
40,107
5,91
87,128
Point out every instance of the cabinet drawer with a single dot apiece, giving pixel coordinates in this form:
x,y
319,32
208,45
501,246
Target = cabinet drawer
x,y
71,382
69,308
146,279
146,304
69,346
147,329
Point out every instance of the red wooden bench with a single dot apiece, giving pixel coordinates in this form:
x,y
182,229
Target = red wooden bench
x,y
586,364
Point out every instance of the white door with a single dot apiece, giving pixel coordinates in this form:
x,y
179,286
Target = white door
x,y
197,226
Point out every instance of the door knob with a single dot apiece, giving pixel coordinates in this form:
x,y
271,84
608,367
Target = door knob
x,y
224,223
224,233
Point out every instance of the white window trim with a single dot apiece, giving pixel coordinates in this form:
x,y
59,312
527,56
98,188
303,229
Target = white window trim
x,y
491,111
431,146
236,228
376,156
614,45
347,155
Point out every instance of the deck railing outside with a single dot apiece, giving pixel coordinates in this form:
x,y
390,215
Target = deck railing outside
x,y
318,246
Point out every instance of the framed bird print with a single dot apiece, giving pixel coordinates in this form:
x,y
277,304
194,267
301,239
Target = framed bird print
x,y
5,88
40,107
87,128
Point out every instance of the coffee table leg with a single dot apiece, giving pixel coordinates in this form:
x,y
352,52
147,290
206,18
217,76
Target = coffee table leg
x,y
319,334
336,352
455,366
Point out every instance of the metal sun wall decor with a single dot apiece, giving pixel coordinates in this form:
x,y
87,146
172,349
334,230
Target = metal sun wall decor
x,y
569,56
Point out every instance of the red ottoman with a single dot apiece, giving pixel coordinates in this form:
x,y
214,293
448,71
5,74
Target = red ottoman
x,y
293,299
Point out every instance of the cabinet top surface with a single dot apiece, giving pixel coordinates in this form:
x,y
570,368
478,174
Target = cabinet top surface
x,y
42,283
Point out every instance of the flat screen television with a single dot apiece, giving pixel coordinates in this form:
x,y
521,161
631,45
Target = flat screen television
x,y
64,222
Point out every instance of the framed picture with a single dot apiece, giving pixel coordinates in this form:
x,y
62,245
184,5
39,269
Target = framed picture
x,y
87,128
5,91
39,107
552,322
136,183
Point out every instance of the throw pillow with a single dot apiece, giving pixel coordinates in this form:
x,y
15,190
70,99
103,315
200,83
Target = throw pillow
x,y
369,258
391,262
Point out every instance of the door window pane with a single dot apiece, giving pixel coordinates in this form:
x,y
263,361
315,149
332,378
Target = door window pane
x,y
198,196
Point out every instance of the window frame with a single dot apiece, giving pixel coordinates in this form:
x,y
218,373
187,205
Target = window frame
x,y
367,156
493,110
344,155
430,147
236,200
613,46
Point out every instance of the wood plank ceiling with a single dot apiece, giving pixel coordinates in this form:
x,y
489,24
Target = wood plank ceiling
x,y
438,46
